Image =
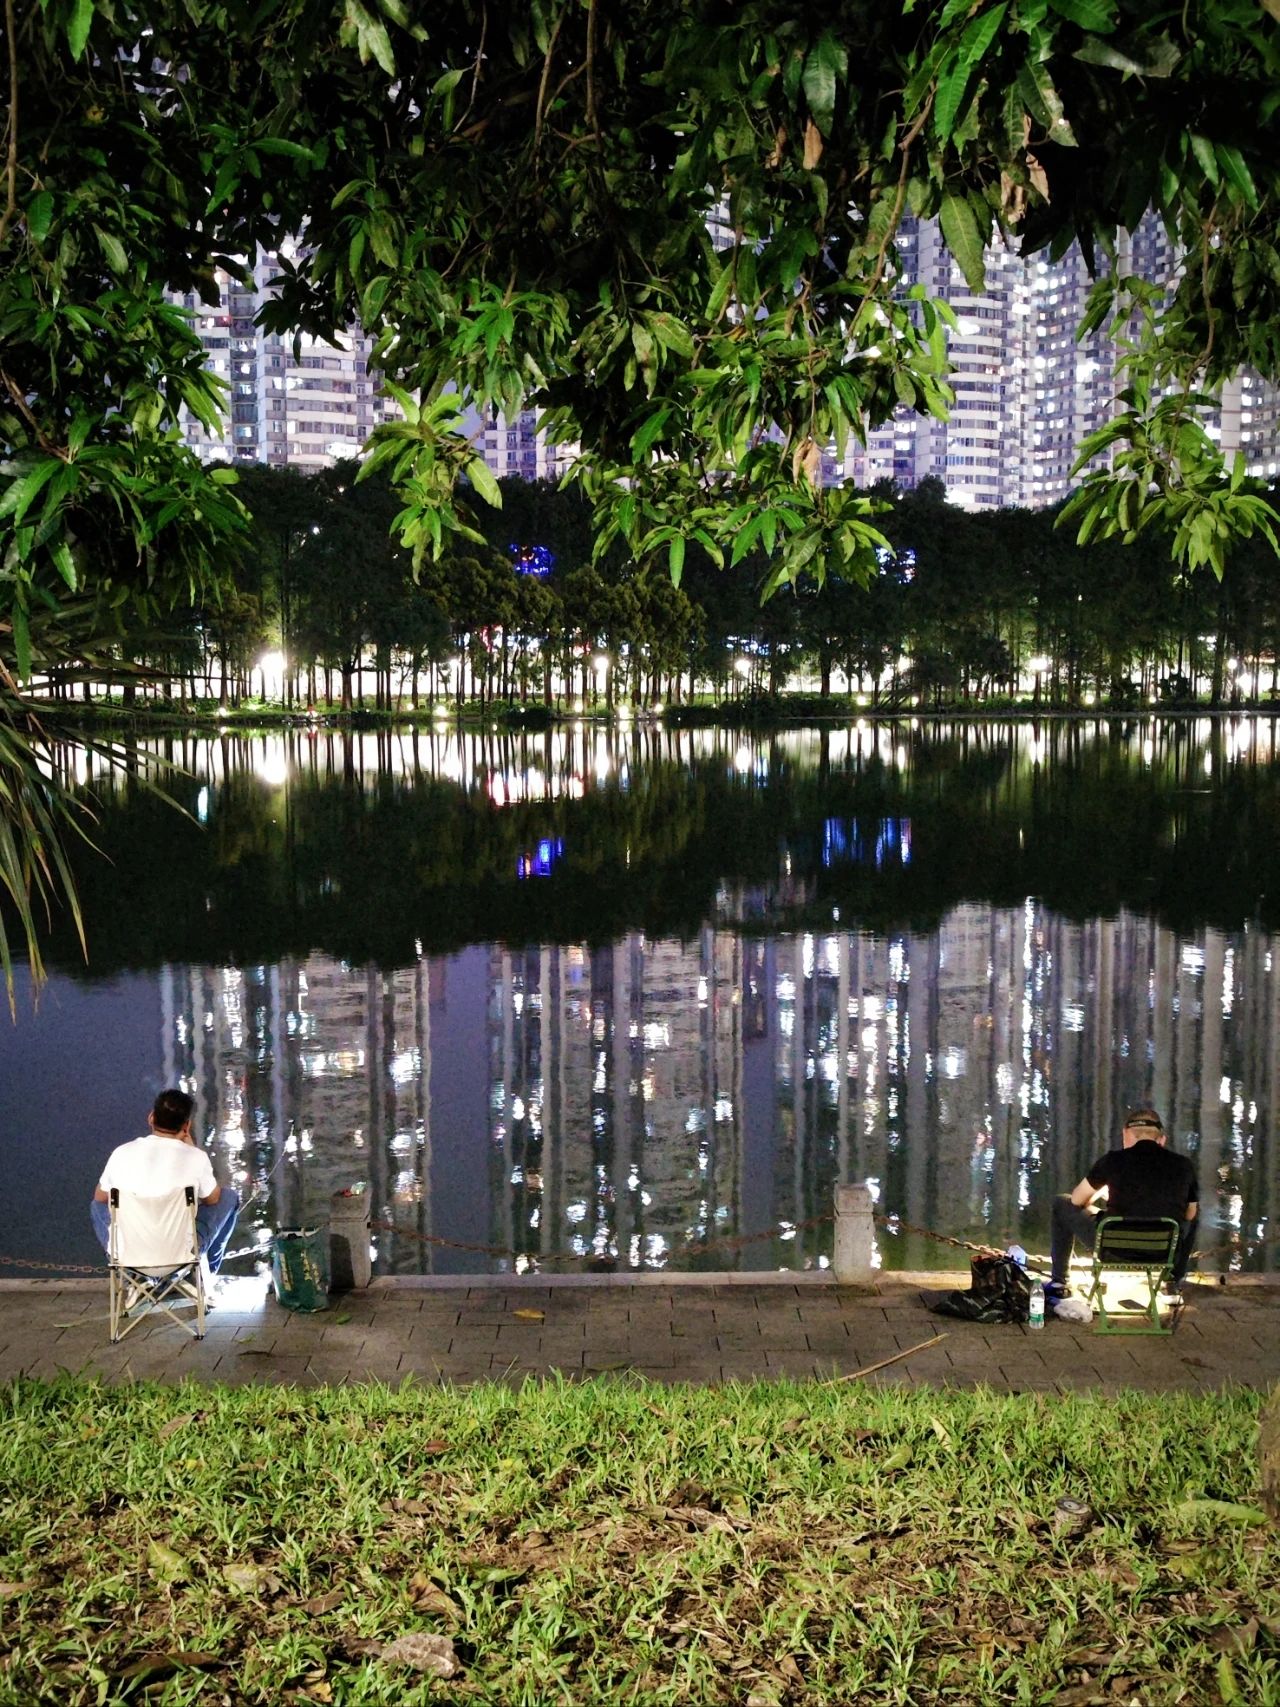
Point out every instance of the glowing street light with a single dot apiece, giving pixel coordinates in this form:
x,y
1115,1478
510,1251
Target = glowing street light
x,y
271,670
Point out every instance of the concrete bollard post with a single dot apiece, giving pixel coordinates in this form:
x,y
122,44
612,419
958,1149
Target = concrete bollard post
x,y
349,1266
855,1237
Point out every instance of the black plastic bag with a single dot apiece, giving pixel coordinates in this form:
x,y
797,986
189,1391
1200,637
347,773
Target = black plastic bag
x,y
999,1291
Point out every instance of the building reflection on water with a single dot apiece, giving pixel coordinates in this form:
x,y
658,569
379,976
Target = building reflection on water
x,y
653,1103
690,1095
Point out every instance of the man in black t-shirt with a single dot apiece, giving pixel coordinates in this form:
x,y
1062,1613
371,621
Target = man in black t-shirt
x,y
1142,1180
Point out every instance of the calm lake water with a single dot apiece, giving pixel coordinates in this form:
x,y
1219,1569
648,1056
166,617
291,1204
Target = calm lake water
x,y
643,998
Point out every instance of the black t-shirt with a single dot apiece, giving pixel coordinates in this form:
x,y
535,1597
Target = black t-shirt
x,y
1146,1181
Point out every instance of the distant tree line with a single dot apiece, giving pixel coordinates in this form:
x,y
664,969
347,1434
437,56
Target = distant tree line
x,y
967,608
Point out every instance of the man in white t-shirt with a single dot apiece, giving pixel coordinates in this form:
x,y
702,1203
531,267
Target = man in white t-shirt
x,y
162,1162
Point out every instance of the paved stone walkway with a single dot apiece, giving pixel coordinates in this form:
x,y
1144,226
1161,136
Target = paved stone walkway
x,y
717,1328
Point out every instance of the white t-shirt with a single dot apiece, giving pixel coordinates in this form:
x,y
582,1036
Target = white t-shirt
x,y
152,1167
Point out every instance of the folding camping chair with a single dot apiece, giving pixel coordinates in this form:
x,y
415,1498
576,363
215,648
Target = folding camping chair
x,y
153,1260
1133,1247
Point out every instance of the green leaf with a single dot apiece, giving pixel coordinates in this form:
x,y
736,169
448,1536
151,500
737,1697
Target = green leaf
x,y
675,558
1202,148
954,84
481,477
1044,101
64,562
1099,15
1237,173
1226,1510
78,26
282,145
382,237
964,240
1015,114
372,40
825,63
112,249
1094,51
39,214
21,641
18,497
643,439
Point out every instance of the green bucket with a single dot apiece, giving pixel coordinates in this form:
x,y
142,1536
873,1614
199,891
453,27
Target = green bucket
x,y
300,1267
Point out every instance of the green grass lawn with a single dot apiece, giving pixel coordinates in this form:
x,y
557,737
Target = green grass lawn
x,y
614,1541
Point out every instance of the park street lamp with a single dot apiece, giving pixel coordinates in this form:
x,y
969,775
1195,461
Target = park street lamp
x,y
271,672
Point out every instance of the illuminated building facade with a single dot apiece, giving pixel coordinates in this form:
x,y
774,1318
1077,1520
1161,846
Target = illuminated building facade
x,y
1027,392
303,409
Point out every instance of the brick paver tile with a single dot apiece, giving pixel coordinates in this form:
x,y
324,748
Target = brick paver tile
x,y
797,1365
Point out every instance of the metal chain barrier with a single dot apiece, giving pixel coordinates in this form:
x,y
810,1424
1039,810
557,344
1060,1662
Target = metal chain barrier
x,y
54,1267
895,1224
727,1242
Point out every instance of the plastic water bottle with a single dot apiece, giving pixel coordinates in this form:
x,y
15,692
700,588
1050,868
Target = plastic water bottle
x,y
1035,1312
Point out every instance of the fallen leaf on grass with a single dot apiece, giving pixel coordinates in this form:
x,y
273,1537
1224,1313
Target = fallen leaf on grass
x,y
1119,1572
1189,1566
164,1563
430,1597
700,1518
531,1315
941,1430
249,1578
174,1424
1228,1510
433,1654
323,1602
1228,1688
496,1575
157,1664
9,1590
410,1508
434,1448
899,1458
1235,1638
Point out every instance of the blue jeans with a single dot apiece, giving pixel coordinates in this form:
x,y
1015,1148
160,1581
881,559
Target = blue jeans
x,y
215,1223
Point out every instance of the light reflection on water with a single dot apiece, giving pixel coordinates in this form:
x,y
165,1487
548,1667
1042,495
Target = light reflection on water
x,y
658,1099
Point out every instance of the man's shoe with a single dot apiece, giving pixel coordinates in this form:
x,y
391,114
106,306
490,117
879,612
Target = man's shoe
x,y
1054,1292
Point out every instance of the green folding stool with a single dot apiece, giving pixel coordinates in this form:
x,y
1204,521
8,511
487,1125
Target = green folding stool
x,y
1148,1248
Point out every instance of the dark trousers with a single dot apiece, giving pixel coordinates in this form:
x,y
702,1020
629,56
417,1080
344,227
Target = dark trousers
x,y
1073,1226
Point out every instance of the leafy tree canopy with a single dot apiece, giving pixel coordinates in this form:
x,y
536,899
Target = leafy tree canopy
x,y
667,224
